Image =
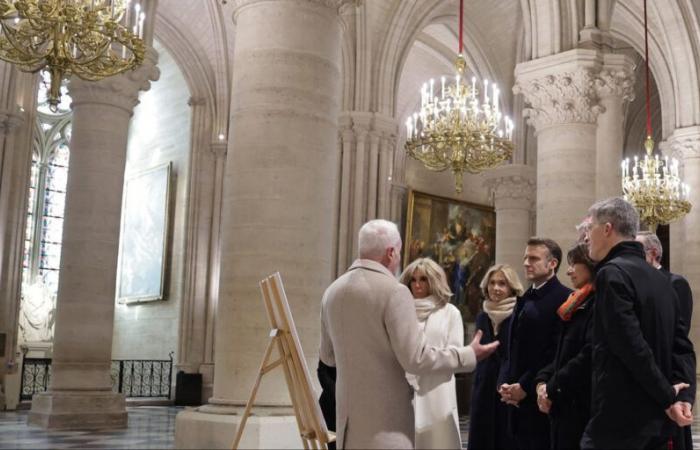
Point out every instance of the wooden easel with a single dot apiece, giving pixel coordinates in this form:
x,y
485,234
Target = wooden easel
x,y
283,335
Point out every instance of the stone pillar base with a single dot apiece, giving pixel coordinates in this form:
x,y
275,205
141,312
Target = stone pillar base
x,y
197,429
78,410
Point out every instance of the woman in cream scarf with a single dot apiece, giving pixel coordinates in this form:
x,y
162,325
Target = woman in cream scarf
x,y
435,402
487,426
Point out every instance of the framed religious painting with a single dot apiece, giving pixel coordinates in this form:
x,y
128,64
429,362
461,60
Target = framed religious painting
x,y
144,236
459,236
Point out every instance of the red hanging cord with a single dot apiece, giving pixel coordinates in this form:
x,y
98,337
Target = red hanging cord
x,y
461,13
646,60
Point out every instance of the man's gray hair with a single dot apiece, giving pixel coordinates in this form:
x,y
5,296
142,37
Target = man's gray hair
x,y
620,213
375,237
650,241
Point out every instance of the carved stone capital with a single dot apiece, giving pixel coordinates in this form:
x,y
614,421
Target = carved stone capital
x,y
683,144
559,98
196,101
387,127
219,149
121,91
611,82
512,186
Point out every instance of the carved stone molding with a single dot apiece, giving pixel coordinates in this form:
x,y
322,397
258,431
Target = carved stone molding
x,y
121,90
683,144
512,186
615,83
336,5
10,120
559,98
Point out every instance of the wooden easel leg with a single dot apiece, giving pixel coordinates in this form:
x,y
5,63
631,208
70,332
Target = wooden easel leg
x,y
251,400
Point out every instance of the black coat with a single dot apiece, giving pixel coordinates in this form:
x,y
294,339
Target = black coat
x,y
639,350
487,415
683,437
326,377
533,339
568,378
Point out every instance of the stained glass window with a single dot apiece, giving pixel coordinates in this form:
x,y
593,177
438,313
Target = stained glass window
x,y
47,195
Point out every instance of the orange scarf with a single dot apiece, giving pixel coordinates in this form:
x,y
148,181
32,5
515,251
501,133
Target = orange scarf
x,y
566,310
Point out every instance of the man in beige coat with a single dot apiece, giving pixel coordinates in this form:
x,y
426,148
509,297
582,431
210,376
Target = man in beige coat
x,y
370,333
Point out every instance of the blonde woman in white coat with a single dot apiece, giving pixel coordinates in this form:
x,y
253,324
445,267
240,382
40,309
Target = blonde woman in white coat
x,y
435,401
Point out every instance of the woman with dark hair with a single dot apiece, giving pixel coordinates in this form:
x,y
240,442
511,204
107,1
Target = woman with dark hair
x,y
564,386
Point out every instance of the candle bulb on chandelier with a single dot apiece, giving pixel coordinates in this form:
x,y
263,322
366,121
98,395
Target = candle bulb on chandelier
x,y
442,90
432,81
473,88
141,20
486,92
496,93
127,12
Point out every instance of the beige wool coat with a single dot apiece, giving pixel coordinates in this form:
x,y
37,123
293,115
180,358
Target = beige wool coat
x,y
370,333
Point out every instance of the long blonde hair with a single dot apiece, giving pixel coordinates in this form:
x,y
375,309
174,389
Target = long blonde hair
x,y
437,280
511,277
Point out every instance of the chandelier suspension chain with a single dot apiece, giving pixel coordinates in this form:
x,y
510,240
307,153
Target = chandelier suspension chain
x,y
461,26
646,71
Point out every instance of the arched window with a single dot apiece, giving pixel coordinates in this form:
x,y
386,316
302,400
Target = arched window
x,y
47,197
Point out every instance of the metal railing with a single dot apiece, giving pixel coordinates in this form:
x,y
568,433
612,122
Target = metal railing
x,y
135,378
142,377
36,373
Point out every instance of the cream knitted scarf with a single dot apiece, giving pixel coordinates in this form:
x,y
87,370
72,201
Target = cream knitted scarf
x,y
499,311
425,307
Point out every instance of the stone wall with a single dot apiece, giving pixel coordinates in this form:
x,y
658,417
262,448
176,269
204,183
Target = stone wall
x,y
159,133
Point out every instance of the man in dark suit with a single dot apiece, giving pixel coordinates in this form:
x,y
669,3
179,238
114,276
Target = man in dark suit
x,y
682,437
640,350
533,340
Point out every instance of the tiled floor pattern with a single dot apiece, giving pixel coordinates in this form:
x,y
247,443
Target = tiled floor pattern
x,y
150,427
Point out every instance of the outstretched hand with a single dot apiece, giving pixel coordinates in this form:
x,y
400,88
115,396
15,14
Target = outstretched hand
x,y
482,351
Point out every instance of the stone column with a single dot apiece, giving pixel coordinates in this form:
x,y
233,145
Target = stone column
x,y
361,126
387,128
277,210
615,87
513,190
367,142
563,109
684,144
344,240
13,178
80,394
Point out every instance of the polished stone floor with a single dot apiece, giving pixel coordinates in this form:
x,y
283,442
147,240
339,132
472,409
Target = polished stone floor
x,y
150,427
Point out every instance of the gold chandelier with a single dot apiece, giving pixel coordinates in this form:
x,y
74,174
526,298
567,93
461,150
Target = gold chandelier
x,y
456,127
91,39
653,185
